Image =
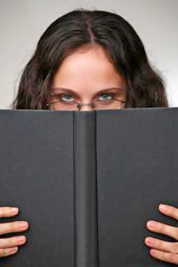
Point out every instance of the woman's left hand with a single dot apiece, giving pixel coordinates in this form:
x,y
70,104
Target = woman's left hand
x,y
162,250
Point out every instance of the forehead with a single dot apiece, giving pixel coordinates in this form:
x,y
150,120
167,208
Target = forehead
x,y
87,70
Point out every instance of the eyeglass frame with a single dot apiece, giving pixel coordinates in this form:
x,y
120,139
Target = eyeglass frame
x,y
80,105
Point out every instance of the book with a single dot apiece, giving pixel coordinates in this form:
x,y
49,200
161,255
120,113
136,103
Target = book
x,y
88,182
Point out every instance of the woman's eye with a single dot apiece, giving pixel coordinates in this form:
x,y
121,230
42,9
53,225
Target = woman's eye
x,y
67,98
106,97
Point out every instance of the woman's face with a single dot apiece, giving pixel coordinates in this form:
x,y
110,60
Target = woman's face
x,y
86,76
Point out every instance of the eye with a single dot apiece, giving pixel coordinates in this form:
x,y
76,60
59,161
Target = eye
x,y
106,97
66,97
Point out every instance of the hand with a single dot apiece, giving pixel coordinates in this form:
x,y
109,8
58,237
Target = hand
x,y
162,250
9,246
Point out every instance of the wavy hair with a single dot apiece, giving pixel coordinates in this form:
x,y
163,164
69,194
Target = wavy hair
x,y
145,87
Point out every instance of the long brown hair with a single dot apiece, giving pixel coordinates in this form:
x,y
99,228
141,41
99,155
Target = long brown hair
x,y
79,28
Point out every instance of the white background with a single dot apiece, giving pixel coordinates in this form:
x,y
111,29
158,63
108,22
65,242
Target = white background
x,y
23,21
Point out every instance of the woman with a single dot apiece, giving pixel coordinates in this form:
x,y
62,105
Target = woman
x,y
90,60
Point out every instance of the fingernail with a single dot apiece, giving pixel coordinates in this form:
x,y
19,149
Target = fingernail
x,y
149,241
154,252
23,224
13,250
14,209
20,239
151,224
162,207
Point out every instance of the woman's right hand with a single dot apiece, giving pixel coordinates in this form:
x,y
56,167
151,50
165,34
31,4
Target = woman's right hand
x,y
9,246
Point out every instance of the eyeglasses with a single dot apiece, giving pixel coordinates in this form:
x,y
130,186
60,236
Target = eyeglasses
x,y
59,104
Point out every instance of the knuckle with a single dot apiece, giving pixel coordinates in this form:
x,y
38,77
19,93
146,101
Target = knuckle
x,y
8,251
11,242
176,233
4,211
9,228
162,228
171,214
172,257
3,253
159,244
162,256
2,230
14,226
1,244
174,248
174,212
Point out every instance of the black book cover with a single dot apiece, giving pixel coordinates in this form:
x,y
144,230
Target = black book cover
x,y
137,169
87,182
36,175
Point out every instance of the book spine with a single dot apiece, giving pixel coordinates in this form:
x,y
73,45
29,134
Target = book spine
x,y
85,191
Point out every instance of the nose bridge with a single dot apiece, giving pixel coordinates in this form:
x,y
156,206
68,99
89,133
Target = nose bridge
x,y
86,107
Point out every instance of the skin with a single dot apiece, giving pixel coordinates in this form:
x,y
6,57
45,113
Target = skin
x,y
162,250
87,72
9,246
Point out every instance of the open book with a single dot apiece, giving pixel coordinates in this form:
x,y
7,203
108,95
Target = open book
x,y
88,182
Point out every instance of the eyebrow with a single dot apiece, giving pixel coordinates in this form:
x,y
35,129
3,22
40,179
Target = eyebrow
x,y
101,91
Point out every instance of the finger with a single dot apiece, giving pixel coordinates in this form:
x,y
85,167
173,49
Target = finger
x,y
12,242
162,245
164,256
8,212
169,211
13,227
164,229
8,252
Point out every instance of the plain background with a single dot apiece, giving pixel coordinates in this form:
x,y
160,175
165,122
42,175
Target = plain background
x,y
22,22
